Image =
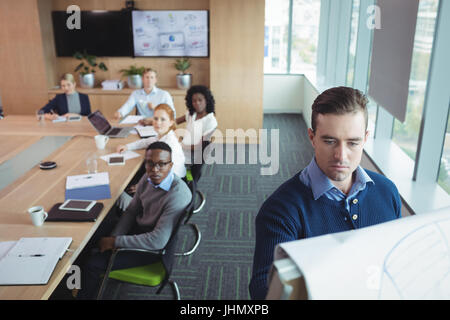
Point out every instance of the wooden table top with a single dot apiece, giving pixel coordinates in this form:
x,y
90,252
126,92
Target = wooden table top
x,y
26,125
47,187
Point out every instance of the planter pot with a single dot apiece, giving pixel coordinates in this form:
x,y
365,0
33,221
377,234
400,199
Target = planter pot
x,y
134,81
87,80
184,81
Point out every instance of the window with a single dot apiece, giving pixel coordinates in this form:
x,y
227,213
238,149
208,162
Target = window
x,y
305,37
302,57
276,37
406,134
352,47
444,171
372,110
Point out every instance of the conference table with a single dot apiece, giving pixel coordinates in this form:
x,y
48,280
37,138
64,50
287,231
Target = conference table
x,y
47,187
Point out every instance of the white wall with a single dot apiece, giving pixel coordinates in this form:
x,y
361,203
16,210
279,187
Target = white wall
x,y
283,93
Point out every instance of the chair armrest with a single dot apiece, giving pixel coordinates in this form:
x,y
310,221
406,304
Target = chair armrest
x,y
117,250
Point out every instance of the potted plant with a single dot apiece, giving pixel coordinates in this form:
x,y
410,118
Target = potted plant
x,y
87,68
184,79
134,75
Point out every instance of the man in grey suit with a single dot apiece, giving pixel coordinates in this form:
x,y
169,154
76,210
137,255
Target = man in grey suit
x,y
160,198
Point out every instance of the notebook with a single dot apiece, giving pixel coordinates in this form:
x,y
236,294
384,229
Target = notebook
x,y
78,216
31,260
99,122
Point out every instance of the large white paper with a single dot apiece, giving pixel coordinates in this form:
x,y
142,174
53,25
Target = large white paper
x,y
87,180
407,258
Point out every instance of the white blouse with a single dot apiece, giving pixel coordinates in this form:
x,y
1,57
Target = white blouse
x,y
196,130
177,152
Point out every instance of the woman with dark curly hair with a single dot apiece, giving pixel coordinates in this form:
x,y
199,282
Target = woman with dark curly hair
x,y
200,121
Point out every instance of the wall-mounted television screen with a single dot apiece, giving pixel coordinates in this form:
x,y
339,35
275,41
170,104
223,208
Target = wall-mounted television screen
x,y
175,33
101,33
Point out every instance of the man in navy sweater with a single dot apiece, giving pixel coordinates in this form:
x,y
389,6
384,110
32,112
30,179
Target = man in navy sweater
x,y
333,193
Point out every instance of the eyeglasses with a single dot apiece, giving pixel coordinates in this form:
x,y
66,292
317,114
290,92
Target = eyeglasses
x,y
157,165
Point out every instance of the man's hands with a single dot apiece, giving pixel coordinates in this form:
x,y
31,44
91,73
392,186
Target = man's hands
x,y
106,243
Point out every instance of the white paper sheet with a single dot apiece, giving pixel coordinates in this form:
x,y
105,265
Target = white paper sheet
x,y
407,258
87,180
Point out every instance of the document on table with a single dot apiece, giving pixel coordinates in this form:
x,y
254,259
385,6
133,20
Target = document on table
x,y
146,131
406,258
131,119
88,187
30,260
127,155
87,180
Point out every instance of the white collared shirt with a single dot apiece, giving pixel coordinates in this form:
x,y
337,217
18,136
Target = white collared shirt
x,y
140,100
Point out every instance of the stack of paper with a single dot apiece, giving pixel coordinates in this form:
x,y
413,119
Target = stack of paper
x,y
112,85
88,186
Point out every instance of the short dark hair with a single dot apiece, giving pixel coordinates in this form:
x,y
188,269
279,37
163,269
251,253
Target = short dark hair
x,y
159,145
210,102
339,100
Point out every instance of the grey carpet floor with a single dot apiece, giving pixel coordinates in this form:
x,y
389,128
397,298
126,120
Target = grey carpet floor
x,y
221,267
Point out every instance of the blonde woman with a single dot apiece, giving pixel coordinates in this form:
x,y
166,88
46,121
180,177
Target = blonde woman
x,y
164,125
68,103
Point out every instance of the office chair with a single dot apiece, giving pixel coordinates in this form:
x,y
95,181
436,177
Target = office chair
x,y
151,275
193,175
192,184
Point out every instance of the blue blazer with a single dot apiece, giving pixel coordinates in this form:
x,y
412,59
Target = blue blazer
x,y
59,104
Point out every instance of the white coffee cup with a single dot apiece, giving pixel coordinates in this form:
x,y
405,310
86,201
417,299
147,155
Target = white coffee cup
x,y
38,215
101,141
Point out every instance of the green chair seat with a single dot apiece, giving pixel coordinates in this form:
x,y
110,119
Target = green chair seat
x,y
149,275
189,176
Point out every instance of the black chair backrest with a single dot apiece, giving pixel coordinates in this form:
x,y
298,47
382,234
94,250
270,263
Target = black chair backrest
x,y
170,248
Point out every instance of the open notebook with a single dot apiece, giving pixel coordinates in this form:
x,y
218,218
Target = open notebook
x,y
31,260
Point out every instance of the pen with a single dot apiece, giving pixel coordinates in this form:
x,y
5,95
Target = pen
x,y
31,255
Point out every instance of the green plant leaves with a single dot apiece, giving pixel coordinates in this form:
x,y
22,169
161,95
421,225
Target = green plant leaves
x,y
88,60
133,70
182,64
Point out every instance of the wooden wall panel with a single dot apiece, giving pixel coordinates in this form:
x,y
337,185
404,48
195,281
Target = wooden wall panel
x,y
23,82
48,42
236,62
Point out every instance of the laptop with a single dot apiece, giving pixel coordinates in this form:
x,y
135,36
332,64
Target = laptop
x,y
99,122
